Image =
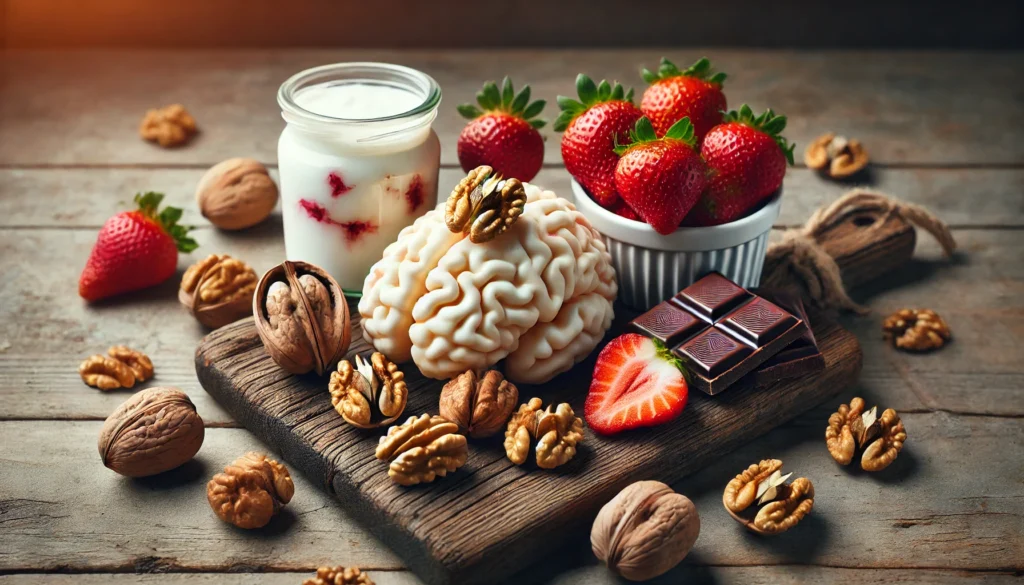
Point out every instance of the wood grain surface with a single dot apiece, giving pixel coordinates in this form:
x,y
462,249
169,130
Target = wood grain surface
x,y
70,157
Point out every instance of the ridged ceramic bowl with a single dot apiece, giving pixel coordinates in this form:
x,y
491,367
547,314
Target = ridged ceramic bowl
x,y
652,267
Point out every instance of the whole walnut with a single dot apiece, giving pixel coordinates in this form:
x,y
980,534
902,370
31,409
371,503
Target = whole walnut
x,y
302,318
218,290
154,431
645,530
250,491
480,405
236,194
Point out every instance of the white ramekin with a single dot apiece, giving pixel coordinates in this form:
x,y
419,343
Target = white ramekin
x,y
652,267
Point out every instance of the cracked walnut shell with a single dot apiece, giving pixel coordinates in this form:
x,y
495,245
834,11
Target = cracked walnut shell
x,y
484,204
250,491
121,368
783,505
836,156
237,193
218,290
422,449
339,576
916,330
302,317
154,431
881,437
481,406
557,431
369,394
645,530
169,126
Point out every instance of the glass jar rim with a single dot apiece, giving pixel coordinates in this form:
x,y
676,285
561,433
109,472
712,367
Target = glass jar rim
x,y
414,78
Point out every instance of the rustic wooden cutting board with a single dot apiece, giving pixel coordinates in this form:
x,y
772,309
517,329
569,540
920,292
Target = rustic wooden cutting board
x,y
492,518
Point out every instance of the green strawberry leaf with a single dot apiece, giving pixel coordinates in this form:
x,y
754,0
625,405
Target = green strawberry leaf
x,y
586,89
469,111
589,95
700,70
768,122
167,218
562,121
534,109
538,123
490,100
604,90
643,132
507,93
682,130
663,352
521,100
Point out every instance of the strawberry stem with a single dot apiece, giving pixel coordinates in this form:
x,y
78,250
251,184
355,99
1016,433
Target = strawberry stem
x,y
167,218
589,94
643,132
504,101
700,70
768,122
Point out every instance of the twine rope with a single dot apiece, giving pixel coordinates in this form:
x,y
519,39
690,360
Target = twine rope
x,y
800,251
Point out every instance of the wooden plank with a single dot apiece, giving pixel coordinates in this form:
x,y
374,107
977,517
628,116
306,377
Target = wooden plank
x,y
952,500
227,23
47,328
448,531
76,197
62,109
591,575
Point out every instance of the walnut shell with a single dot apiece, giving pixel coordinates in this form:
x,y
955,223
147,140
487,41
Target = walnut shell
x,y
154,431
645,530
481,406
302,317
236,194
218,290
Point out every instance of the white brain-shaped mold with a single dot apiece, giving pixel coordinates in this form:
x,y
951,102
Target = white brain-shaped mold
x,y
540,294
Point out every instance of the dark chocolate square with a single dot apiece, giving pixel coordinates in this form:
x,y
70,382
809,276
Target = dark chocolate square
x,y
712,352
668,323
712,296
758,322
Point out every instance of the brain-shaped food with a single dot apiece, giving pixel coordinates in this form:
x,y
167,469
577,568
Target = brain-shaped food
x,y
539,294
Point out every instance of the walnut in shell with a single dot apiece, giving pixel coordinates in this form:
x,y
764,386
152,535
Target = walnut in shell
x,y
218,290
122,367
154,431
484,204
302,317
783,505
480,405
236,194
852,427
339,576
170,126
250,491
557,431
369,394
916,330
645,530
836,156
422,449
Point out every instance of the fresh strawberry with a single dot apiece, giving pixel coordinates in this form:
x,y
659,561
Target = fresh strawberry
x,y
621,209
746,160
660,178
503,132
593,126
135,250
637,383
695,93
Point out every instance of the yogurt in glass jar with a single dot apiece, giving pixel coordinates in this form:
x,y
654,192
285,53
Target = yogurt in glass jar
x,y
358,161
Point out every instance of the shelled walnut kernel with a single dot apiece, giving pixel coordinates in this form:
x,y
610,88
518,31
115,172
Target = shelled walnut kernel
x,y
169,126
784,505
557,431
339,576
916,330
881,437
123,367
422,449
250,491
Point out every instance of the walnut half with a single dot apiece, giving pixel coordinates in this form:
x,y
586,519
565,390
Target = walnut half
x,y
837,157
557,431
170,126
369,394
339,576
422,449
250,490
218,290
481,406
783,505
916,330
123,367
484,204
881,437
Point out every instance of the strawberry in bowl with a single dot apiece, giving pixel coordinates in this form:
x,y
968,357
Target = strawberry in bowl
x,y
674,94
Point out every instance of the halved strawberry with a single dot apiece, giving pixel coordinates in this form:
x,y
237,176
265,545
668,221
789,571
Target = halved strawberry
x,y
637,383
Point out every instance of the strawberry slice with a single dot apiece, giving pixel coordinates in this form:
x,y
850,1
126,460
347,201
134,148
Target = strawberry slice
x,y
637,383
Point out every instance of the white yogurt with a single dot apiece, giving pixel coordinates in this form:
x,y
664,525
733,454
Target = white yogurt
x,y
358,162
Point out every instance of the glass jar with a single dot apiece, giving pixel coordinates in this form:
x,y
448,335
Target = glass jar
x,y
358,162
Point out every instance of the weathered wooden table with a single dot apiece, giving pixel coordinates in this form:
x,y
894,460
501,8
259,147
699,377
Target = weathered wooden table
x,y
945,130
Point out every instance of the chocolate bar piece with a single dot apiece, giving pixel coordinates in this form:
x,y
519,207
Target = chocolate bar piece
x,y
720,331
798,358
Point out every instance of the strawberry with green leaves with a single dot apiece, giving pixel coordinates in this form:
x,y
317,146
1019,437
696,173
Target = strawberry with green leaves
x,y
502,132
674,94
660,178
135,250
592,127
746,158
